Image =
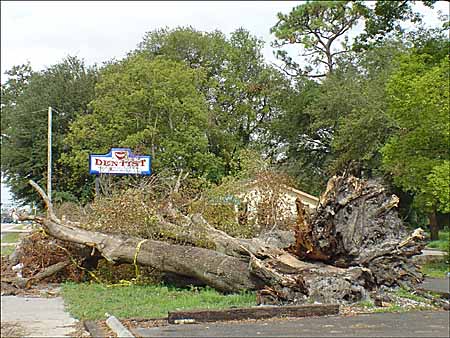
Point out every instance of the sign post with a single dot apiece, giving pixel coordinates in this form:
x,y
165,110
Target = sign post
x,y
49,154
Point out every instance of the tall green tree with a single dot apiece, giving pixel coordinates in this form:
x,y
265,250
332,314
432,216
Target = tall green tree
x,y
68,87
418,155
322,30
341,122
243,93
352,107
151,106
299,154
385,18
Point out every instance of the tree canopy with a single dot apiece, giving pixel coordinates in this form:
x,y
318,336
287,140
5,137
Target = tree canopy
x,y
319,27
151,106
243,93
369,97
323,31
417,155
68,87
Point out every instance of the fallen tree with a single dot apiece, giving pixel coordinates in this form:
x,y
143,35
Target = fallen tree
x,y
27,282
353,243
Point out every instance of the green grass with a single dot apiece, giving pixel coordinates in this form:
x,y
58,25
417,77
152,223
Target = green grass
x,y
442,243
9,238
7,250
369,305
92,301
391,308
399,308
366,304
401,292
441,268
438,269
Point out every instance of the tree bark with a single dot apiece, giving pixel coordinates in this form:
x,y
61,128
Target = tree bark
x,y
28,282
434,227
356,224
352,244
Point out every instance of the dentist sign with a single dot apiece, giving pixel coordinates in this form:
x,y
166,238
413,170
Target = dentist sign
x,y
120,161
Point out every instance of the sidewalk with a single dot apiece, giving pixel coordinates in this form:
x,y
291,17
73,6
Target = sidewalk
x,y
439,285
37,317
429,255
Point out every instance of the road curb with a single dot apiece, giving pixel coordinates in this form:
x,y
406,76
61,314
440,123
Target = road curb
x,y
117,327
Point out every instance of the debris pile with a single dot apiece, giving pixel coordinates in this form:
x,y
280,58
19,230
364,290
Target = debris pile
x,y
353,244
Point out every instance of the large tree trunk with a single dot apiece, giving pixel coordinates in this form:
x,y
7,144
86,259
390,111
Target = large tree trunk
x,y
356,224
352,244
434,227
223,272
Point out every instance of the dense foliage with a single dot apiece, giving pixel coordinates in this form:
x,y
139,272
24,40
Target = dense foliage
x,y
375,105
68,87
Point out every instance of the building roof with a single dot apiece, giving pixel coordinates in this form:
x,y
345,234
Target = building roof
x,y
296,191
302,193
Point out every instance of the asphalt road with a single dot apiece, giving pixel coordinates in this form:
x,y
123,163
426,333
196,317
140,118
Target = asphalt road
x,y
408,324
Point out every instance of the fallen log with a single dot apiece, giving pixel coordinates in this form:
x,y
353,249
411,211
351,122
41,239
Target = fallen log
x,y
352,244
26,283
260,312
225,273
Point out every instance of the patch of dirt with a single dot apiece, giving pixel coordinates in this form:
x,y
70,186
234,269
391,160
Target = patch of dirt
x,y
145,323
79,331
11,329
42,290
108,332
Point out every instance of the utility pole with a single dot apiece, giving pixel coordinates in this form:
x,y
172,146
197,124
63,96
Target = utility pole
x,y
49,155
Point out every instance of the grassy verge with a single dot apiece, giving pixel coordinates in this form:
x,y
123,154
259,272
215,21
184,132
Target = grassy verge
x,y
400,308
442,243
438,269
92,301
403,293
402,300
9,238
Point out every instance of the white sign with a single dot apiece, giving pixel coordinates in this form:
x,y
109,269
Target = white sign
x,y
120,161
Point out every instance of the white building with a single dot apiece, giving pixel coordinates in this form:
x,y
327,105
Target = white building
x,y
279,205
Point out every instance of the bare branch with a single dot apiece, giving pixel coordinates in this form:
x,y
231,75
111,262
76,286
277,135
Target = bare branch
x,y
340,52
298,73
47,201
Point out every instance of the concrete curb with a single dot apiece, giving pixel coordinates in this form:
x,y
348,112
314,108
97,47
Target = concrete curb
x,y
117,327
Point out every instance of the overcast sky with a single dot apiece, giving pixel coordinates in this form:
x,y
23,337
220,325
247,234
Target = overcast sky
x,y
44,32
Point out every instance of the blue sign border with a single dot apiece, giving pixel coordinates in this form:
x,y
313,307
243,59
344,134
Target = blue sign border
x,y
130,155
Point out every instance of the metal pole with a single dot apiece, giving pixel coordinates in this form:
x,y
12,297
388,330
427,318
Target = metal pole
x,y
97,186
49,155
